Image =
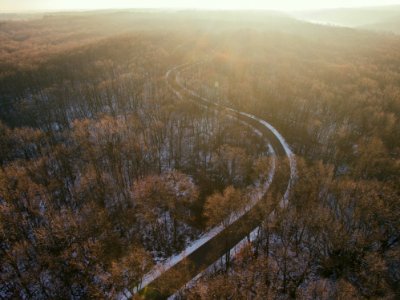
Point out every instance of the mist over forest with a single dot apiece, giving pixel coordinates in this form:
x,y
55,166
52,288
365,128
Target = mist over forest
x,y
200,154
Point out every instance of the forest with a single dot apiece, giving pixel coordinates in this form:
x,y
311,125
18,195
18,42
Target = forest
x,y
126,137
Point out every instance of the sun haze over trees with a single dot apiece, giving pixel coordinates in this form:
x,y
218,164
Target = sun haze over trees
x,y
106,171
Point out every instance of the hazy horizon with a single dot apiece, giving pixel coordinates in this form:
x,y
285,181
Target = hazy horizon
x,y
7,6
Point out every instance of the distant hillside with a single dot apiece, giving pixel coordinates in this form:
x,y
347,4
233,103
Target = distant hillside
x,y
390,25
385,18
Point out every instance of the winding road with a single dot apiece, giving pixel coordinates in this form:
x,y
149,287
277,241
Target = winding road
x,y
164,280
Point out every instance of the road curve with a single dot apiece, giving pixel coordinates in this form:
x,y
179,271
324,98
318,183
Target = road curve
x,y
177,271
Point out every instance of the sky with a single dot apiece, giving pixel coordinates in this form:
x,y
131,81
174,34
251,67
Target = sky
x,y
286,5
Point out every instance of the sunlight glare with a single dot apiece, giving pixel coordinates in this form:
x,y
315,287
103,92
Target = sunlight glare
x,y
284,5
